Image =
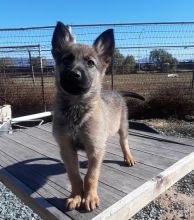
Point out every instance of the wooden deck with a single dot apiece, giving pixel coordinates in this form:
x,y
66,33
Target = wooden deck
x,y
31,166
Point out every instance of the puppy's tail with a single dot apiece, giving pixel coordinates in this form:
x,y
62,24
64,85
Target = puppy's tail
x,y
132,95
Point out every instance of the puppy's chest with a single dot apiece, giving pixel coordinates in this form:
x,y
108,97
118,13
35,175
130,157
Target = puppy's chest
x,y
74,117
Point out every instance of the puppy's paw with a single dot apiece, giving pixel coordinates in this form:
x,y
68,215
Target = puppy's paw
x,y
73,202
90,201
128,159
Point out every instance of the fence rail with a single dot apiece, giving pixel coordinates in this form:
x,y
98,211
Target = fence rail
x,y
149,58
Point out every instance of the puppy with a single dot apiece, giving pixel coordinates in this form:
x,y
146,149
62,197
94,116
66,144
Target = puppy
x,y
85,115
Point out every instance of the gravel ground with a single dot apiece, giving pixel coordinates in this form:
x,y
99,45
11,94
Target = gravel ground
x,y
172,127
12,208
177,203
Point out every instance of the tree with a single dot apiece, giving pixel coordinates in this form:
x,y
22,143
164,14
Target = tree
x,y
163,59
129,64
122,64
118,62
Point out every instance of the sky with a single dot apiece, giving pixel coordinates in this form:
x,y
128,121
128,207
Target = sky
x,y
23,13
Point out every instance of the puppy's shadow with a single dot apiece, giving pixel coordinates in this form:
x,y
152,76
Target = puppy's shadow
x,y
117,162
84,164
35,174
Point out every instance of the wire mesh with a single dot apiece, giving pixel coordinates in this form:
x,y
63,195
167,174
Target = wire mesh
x,y
23,50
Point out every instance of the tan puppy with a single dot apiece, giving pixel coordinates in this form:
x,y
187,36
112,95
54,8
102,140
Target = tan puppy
x,y
84,115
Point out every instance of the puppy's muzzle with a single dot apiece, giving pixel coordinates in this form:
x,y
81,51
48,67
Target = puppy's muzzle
x,y
75,82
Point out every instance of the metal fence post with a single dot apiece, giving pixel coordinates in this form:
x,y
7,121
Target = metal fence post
x,y
31,67
192,85
42,79
112,73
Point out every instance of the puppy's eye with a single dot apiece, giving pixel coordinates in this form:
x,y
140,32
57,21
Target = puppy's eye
x,y
90,63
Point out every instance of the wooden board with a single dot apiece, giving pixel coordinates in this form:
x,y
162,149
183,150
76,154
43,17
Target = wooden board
x,y
35,201
136,200
31,158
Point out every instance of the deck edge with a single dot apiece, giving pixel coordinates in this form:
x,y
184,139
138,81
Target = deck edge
x,y
32,199
129,205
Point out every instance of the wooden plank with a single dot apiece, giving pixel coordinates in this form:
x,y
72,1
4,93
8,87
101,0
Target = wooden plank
x,y
33,199
21,152
144,158
145,144
135,201
27,174
183,141
158,162
139,170
40,134
141,139
151,145
106,171
145,135
155,150
40,146
149,158
50,150
41,165
151,142
30,177
35,175
166,145
115,180
111,160
58,199
46,127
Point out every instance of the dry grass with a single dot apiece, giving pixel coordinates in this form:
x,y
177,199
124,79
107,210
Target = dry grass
x,y
165,97
24,97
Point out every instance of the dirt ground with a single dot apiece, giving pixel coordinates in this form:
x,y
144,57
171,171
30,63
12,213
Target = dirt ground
x,y
176,205
172,127
177,202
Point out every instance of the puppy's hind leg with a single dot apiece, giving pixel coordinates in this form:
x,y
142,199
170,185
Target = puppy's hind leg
x,y
123,132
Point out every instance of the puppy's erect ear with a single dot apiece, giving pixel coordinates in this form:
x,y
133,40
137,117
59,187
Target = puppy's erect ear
x,y
105,44
61,37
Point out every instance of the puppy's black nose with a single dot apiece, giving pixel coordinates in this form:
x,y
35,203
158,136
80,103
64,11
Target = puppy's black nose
x,y
76,74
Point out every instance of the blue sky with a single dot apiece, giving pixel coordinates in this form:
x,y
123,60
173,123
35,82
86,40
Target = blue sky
x,y
23,13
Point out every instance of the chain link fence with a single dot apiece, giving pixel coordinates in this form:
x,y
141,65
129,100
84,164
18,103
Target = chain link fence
x,y
149,58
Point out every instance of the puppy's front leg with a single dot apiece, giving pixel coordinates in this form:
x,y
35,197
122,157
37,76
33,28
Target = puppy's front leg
x,y
91,200
70,158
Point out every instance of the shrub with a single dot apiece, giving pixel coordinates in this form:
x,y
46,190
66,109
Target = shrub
x,y
166,103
